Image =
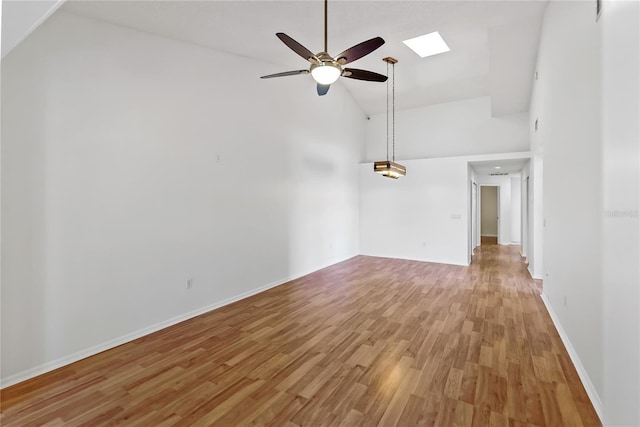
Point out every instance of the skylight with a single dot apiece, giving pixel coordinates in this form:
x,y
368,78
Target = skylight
x,y
427,45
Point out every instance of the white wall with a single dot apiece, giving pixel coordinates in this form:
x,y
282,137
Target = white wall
x,y
0,194
586,100
461,128
566,101
132,163
620,22
425,215
422,216
536,210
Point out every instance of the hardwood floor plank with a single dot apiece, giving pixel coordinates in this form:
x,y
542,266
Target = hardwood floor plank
x,y
369,341
400,398
463,414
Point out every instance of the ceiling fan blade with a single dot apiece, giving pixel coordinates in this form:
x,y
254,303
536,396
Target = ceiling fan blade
x,y
354,73
359,50
323,89
286,73
297,47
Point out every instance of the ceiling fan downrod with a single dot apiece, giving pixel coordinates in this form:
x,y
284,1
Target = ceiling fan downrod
x,y
326,31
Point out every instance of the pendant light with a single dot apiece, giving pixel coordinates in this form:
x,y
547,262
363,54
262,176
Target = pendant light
x,y
390,168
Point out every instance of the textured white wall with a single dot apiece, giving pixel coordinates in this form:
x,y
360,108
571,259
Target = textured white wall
x,y
586,101
621,202
422,216
566,102
132,163
425,215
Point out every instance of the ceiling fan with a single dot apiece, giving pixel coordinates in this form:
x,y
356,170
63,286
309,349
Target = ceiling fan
x,y
326,69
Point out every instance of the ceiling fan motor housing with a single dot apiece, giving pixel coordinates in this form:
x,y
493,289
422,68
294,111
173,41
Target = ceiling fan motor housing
x,y
326,70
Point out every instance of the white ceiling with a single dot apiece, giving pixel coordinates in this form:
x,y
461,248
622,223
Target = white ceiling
x,y
20,18
510,166
493,43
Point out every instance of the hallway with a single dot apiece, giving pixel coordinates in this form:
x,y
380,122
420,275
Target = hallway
x,y
369,341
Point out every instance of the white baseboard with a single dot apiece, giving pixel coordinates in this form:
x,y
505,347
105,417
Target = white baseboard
x,y
91,351
533,276
441,261
582,373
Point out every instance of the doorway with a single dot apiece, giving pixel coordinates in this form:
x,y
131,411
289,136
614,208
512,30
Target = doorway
x,y
489,215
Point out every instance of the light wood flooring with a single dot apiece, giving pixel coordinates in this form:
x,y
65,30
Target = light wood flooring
x,y
369,341
488,240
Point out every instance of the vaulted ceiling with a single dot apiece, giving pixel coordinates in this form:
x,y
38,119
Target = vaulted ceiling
x,y
493,43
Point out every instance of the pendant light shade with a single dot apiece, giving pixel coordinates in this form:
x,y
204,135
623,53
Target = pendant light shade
x,y
390,168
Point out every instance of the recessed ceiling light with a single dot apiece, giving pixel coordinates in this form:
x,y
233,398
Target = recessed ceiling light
x,y
427,45
497,167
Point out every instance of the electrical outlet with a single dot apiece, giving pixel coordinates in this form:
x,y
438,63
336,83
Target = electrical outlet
x,y
189,284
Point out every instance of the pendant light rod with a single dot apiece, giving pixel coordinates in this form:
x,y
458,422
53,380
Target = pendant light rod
x,y
392,61
326,8
393,109
390,168
387,106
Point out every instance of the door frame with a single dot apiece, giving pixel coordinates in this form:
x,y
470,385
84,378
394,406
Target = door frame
x,y
524,229
474,216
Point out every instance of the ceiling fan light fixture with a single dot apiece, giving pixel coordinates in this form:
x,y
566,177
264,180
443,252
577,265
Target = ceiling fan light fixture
x,y
325,69
389,169
325,73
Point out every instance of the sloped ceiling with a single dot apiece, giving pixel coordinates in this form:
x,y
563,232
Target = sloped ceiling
x,y
493,43
20,18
